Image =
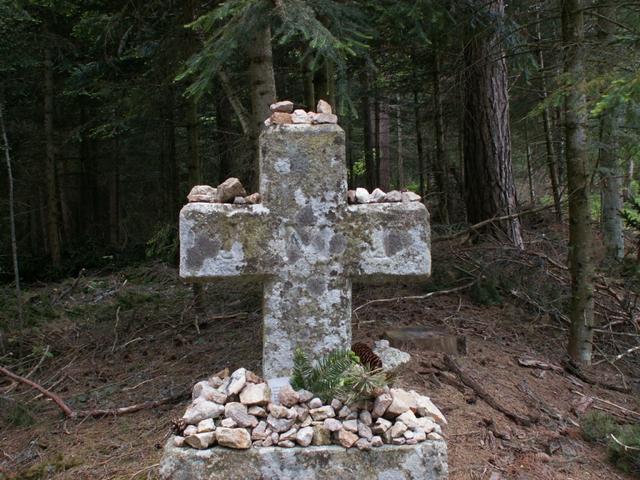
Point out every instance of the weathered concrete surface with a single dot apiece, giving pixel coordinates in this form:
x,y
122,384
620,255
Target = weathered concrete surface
x,y
305,242
424,461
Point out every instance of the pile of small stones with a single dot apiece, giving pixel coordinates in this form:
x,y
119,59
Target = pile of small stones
x,y
229,191
237,411
284,113
362,195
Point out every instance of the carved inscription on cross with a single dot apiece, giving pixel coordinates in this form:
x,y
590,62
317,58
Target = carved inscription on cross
x,y
304,242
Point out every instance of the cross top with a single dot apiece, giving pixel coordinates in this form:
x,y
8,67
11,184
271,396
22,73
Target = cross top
x,y
304,242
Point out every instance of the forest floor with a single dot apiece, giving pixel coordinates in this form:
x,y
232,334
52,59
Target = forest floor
x,y
118,338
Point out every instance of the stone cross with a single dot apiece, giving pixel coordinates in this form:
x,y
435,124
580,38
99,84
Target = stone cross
x,y
304,243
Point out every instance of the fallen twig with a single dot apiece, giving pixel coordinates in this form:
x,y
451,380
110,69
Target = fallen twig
x,y
71,413
533,363
523,420
416,297
626,447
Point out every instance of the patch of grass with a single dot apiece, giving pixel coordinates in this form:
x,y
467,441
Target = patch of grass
x,y
48,468
486,292
598,426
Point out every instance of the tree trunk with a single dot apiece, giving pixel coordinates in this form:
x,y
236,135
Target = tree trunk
x,y
610,171
490,191
384,163
418,122
400,162
367,122
194,165
308,86
53,212
114,200
12,219
223,139
546,123
263,94
442,162
578,176
532,194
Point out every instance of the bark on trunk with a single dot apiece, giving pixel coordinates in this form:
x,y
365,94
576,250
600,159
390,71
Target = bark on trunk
x,y
263,94
400,158
194,166
367,122
578,177
418,122
490,188
442,162
384,138
610,171
53,211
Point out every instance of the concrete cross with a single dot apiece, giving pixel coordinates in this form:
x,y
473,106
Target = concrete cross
x,y
304,242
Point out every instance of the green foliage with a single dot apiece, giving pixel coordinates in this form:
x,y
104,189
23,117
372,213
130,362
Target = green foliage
x,y
16,414
597,426
631,214
336,375
624,449
485,292
163,244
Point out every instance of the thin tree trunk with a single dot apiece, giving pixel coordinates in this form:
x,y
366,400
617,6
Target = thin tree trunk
x,y
308,86
628,181
418,122
53,212
610,171
384,139
114,203
532,195
224,130
367,122
400,162
578,176
442,162
12,221
194,165
376,134
491,188
263,94
546,123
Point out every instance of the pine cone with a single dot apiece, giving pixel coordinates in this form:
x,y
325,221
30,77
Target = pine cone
x,y
178,425
366,355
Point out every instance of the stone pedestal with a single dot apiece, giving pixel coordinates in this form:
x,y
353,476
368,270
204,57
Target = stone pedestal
x,y
423,461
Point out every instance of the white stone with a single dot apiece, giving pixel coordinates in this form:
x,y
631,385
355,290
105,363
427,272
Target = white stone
x,y
238,381
344,412
201,409
315,403
178,441
397,429
255,394
336,404
401,402
392,358
239,201
377,196
393,196
203,193
426,408
381,404
260,431
230,189
322,413
201,440
332,424
323,107
350,425
206,425
300,116
346,438
289,434
419,434
257,411
364,431
190,430
408,418
376,441
427,424
410,197
304,396
285,106
238,413
381,426
399,441
304,436
288,396
228,423
286,444
362,195
365,417
280,424
237,438
363,444
322,118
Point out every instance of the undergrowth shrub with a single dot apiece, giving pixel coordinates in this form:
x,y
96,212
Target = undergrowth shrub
x,y
624,449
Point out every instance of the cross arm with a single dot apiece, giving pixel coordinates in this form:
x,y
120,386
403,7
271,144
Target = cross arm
x,y
222,240
388,239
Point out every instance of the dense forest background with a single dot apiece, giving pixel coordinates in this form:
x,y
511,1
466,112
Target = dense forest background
x,y
112,110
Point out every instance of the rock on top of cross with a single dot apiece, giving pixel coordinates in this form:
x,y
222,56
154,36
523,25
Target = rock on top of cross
x,y
304,241
283,113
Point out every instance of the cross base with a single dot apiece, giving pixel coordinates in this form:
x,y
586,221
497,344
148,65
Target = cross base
x,y
424,461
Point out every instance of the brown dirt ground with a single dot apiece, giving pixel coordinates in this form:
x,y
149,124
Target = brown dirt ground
x,y
131,336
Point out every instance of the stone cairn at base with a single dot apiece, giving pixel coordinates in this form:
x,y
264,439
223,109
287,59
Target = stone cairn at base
x,y
236,411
